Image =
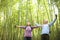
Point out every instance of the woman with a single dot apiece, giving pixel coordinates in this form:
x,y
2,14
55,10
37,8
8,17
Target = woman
x,y
28,31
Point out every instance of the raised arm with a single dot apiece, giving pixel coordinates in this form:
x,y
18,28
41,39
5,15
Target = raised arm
x,y
20,26
50,24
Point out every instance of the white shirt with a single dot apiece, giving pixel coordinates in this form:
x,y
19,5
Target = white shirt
x,y
45,29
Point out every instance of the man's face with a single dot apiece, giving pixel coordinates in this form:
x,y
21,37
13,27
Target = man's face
x,y
45,21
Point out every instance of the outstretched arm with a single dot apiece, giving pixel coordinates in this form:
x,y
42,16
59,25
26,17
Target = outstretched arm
x,y
20,26
50,24
37,25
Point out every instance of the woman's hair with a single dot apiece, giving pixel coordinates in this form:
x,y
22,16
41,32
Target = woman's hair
x,y
28,25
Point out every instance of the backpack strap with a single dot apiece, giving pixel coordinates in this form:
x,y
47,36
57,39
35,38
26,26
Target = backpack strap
x,y
30,27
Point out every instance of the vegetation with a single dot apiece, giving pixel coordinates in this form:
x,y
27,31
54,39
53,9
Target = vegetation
x,y
17,12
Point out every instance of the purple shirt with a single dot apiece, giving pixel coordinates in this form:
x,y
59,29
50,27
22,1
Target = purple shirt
x,y
28,32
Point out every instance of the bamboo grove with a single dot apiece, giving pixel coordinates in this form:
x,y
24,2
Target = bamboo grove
x,y
17,12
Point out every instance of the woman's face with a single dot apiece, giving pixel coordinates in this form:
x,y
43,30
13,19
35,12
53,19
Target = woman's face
x,y
28,23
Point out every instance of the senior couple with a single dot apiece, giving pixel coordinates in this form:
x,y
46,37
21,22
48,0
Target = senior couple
x,y
45,29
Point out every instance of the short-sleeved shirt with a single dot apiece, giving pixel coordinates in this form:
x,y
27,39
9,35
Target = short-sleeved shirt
x,y
46,27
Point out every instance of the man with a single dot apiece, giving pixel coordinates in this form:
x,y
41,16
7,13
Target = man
x,y
46,28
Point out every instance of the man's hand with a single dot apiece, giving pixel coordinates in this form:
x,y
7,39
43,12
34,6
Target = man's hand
x,y
34,21
55,15
15,26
